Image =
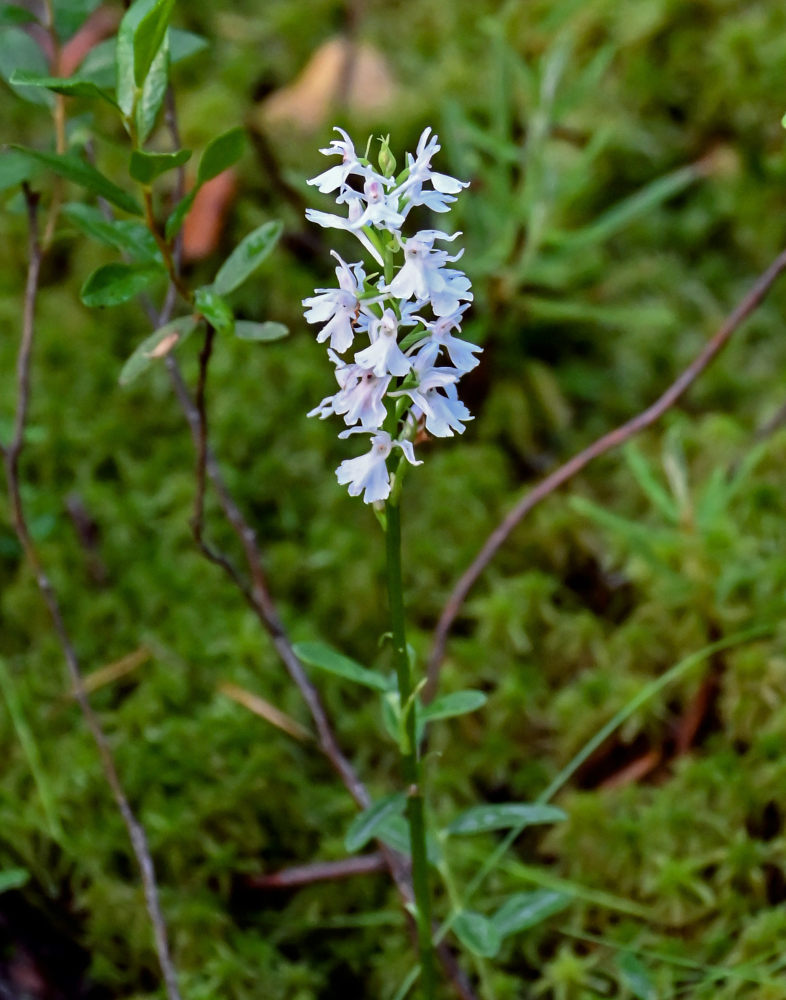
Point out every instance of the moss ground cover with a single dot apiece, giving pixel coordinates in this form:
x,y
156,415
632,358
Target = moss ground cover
x,y
599,271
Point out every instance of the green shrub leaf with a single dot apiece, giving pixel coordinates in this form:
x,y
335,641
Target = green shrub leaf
x,y
247,256
156,346
126,235
115,283
72,86
221,153
72,168
246,330
145,167
481,819
215,310
149,37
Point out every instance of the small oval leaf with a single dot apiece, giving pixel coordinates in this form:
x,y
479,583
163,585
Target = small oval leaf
x,y
635,976
158,344
321,656
145,167
115,283
221,153
477,933
449,705
215,310
247,256
482,819
246,330
365,826
526,909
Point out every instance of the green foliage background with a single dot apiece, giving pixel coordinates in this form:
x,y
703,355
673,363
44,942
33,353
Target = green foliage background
x,y
557,112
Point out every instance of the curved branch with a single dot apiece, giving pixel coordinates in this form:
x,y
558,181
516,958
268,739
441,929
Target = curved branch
x,y
613,439
11,455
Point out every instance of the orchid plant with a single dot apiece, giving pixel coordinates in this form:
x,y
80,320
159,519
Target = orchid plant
x,y
397,388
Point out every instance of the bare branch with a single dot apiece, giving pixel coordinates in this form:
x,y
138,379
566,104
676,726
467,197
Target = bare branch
x,y
11,456
320,871
613,439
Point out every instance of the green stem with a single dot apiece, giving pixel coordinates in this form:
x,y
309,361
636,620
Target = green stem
x,y
410,761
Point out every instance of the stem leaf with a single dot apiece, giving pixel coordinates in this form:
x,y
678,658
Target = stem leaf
x,y
635,976
527,909
477,933
447,706
366,825
323,657
482,819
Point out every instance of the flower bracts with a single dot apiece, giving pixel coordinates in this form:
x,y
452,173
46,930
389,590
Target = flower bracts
x,y
399,320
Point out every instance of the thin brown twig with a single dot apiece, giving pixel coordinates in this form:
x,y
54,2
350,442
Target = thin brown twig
x,y
11,455
320,871
613,439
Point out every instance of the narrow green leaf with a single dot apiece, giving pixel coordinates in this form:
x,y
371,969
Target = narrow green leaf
x,y
10,14
629,209
477,933
69,166
15,167
221,153
215,310
125,79
145,167
19,52
13,878
149,36
321,656
449,705
153,92
635,977
156,346
365,826
648,483
177,218
100,63
115,283
125,235
246,330
247,256
526,909
72,86
482,819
